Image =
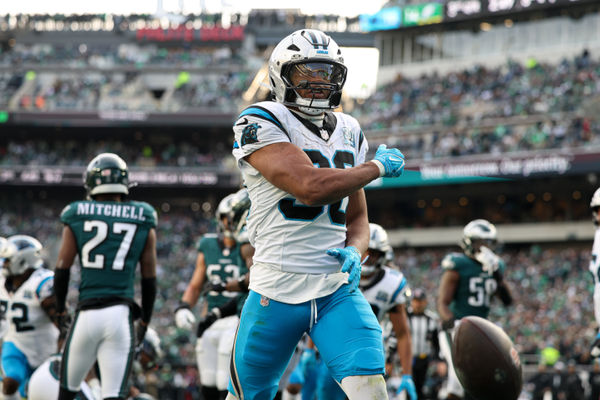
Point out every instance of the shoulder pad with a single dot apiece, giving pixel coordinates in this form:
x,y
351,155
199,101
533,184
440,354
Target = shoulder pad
x,y
68,212
149,213
454,260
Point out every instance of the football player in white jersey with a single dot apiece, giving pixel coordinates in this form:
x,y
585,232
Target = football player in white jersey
x,y
595,267
385,290
304,167
28,304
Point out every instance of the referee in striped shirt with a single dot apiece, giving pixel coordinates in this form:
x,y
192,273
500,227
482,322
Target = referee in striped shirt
x,y
424,325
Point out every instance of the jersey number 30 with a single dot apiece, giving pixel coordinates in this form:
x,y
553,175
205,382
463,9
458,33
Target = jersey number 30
x,y
337,215
101,228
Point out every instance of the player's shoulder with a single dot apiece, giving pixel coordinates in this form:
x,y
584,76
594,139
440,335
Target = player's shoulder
x,y
70,211
271,111
393,274
150,215
455,261
346,119
208,239
42,274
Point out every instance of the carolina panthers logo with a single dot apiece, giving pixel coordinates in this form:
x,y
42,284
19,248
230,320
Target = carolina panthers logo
x,y
249,134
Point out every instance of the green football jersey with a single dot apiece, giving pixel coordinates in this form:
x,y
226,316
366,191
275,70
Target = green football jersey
x,y
110,237
222,264
475,286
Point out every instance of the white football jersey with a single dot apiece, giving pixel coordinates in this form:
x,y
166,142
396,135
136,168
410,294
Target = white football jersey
x,y
385,291
595,270
288,236
30,328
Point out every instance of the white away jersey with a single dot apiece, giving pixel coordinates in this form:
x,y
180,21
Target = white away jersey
x,y
288,236
385,291
30,328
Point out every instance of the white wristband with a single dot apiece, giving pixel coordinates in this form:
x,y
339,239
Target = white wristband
x,y
380,166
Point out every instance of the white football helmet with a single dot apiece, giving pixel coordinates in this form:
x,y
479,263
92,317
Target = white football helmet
x,y
378,242
478,230
21,253
311,53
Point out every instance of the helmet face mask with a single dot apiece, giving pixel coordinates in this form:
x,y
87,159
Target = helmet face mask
x,y
107,173
306,71
20,253
476,234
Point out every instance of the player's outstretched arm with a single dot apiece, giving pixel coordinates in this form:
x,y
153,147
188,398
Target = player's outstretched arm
x,y
286,166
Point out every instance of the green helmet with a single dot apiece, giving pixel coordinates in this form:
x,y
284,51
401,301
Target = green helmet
x,y
106,173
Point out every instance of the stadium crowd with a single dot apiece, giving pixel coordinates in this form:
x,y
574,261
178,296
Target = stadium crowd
x,y
477,93
187,153
553,304
106,56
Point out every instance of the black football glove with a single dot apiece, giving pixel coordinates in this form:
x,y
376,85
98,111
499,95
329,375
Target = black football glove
x,y
216,287
63,322
140,333
207,321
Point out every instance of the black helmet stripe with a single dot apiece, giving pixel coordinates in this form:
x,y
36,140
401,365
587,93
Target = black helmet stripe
x,y
317,40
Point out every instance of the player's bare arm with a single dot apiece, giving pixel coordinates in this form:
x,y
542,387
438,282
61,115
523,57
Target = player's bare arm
x,y
446,294
286,166
357,221
399,320
68,249
148,259
66,256
192,292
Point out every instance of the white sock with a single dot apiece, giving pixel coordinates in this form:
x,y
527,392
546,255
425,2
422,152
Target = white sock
x,y
369,387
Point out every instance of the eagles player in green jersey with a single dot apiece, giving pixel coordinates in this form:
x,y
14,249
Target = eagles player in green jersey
x,y
468,283
219,261
111,235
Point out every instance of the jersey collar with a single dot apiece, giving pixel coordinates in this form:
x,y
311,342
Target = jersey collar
x,y
325,133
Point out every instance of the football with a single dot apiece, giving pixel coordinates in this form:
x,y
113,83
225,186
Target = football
x,y
485,360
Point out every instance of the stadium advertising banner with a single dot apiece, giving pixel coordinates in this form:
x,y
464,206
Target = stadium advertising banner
x,y
466,9
156,177
422,14
183,34
489,169
387,18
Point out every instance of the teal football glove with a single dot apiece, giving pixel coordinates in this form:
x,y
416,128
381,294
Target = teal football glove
x,y
389,161
349,257
408,385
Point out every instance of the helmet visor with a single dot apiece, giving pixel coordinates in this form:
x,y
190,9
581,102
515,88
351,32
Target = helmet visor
x,y
317,72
